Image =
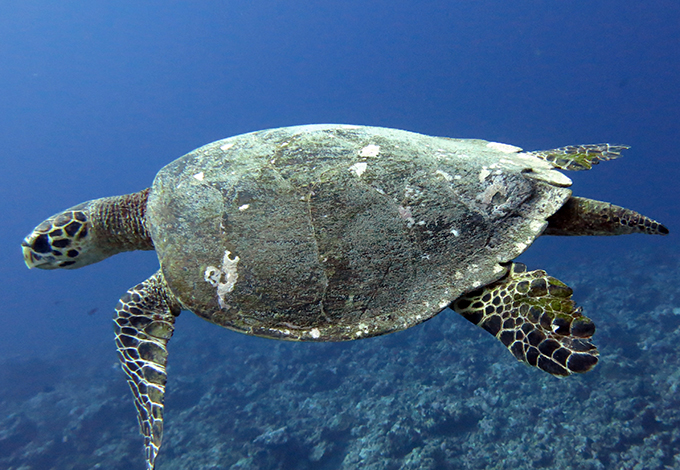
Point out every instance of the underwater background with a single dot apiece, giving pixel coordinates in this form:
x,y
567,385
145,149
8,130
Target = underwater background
x,y
95,97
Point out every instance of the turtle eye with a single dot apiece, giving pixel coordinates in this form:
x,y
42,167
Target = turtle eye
x,y
61,241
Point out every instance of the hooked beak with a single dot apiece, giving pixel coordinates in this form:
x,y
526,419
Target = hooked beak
x,y
32,259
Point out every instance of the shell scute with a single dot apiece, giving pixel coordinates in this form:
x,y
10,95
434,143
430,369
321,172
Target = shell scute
x,y
341,232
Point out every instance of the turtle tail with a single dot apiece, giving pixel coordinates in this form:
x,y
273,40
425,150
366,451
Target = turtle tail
x,y
582,216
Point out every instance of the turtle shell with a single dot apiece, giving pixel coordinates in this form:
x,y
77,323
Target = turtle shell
x,y
336,232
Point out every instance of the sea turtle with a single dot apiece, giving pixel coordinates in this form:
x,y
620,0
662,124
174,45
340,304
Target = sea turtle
x,y
338,232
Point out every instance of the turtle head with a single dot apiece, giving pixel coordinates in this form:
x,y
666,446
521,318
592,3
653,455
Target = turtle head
x,y
65,240
89,232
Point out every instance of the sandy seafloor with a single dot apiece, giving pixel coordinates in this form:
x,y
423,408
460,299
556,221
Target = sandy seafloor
x,y
443,395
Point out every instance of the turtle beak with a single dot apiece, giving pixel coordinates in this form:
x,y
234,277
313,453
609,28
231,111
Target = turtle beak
x,y
32,259
29,256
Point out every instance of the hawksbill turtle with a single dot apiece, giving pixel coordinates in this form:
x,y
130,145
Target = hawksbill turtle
x,y
338,232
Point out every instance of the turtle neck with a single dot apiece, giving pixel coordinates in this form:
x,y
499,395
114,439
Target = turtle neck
x,y
120,220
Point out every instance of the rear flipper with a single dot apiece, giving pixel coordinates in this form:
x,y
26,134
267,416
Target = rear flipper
x,y
582,216
533,315
580,157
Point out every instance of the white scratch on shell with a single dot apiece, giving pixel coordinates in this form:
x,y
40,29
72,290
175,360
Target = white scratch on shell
x,y
370,150
359,168
199,176
444,174
505,148
243,207
227,146
223,278
536,225
405,213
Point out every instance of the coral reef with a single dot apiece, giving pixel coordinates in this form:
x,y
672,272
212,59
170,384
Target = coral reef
x,y
443,395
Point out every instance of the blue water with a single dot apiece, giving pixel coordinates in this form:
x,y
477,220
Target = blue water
x,y
96,96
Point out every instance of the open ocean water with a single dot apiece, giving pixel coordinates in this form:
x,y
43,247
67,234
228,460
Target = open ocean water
x,y
95,97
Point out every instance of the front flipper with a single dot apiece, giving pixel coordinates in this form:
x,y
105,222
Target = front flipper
x,y
580,157
144,322
533,315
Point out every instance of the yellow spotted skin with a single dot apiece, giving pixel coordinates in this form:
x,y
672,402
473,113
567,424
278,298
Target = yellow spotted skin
x,y
58,241
580,157
533,315
89,232
338,232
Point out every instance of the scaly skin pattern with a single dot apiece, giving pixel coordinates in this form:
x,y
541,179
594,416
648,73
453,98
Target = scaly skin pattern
x,y
60,239
343,232
144,322
533,315
89,232
337,232
580,157
582,216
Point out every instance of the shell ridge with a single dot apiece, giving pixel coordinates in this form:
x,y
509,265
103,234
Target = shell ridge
x,y
306,196
320,261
